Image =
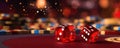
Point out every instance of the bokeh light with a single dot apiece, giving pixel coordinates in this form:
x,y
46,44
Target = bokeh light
x,y
41,3
104,3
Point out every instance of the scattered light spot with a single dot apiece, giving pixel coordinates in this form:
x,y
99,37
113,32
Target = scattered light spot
x,y
23,9
60,33
20,3
58,38
41,3
37,11
55,3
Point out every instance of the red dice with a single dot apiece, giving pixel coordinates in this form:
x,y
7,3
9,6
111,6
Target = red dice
x,y
65,33
89,33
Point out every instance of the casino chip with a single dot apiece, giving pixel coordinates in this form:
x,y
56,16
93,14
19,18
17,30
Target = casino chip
x,y
113,39
2,32
37,32
116,28
98,26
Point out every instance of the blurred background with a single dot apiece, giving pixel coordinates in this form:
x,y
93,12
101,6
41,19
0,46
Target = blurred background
x,y
24,15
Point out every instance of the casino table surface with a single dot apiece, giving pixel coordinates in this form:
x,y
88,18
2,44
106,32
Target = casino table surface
x,y
48,41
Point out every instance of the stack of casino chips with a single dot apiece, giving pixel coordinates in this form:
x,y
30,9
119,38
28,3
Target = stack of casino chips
x,y
38,32
17,31
113,27
110,32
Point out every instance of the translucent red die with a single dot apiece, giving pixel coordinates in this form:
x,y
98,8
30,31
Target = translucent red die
x,y
89,33
65,33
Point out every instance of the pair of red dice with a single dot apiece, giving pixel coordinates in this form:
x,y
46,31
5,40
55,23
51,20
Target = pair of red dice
x,y
66,33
